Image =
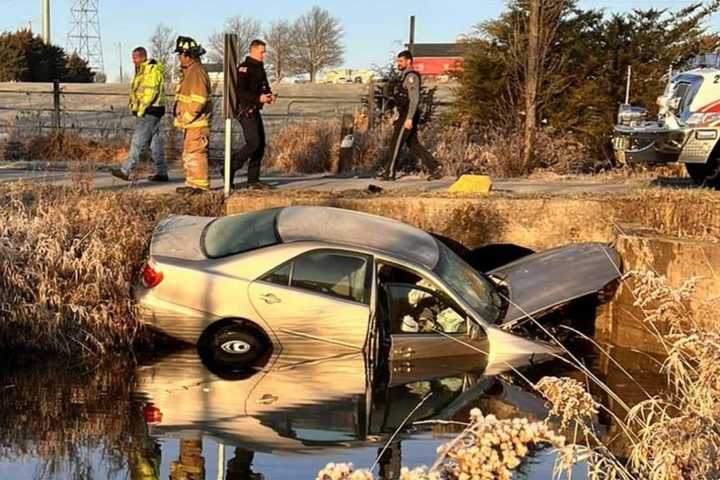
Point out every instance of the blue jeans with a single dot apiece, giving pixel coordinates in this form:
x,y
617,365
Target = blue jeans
x,y
146,133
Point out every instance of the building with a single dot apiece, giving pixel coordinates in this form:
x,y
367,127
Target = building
x,y
347,75
438,59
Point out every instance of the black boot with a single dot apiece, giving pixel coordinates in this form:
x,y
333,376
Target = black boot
x,y
118,173
159,178
189,190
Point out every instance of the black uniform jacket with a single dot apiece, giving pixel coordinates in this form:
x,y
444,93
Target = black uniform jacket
x,y
252,82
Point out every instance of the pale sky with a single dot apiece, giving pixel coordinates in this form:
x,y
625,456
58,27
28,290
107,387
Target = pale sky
x,y
373,29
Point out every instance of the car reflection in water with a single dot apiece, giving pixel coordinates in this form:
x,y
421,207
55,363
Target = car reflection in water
x,y
304,407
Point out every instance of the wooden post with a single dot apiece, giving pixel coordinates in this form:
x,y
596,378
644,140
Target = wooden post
x,y
347,139
371,104
56,105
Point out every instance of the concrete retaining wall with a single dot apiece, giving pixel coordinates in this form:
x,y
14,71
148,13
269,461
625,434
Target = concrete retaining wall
x,y
531,221
678,260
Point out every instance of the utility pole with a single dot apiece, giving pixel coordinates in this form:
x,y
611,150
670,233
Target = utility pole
x,y
531,82
120,56
411,44
46,21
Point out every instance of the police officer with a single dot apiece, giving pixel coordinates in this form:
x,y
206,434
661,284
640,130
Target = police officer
x,y
253,92
407,101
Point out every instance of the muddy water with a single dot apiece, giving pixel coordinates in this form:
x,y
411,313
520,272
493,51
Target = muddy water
x,y
172,418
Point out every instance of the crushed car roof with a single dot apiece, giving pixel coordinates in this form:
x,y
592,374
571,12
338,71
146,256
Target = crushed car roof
x,y
362,230
181,236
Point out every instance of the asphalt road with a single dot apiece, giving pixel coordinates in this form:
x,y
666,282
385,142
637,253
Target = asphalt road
x,y
552,186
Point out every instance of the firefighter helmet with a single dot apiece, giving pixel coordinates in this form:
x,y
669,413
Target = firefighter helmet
x,y
189,46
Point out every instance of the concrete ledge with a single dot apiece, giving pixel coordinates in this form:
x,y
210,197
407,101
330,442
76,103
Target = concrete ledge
x,y
532,221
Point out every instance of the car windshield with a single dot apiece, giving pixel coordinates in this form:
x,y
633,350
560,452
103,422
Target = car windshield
x,y
468,284
240,233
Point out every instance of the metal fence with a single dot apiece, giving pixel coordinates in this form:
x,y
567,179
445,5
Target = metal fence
x,y
48,110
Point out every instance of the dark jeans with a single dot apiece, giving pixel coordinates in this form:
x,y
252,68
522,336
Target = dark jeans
x,y
253,150
146,134
402,136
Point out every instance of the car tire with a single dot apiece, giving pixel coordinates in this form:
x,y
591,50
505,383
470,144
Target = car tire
x,y
234,349
705,174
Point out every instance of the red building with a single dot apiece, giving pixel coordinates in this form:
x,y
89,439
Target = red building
x,y
437,59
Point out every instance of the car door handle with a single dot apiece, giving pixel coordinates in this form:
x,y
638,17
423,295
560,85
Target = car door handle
x,y
270,298
266,399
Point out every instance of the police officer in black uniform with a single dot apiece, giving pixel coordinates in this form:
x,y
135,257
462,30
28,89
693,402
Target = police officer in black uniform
x,y
407,101
253,92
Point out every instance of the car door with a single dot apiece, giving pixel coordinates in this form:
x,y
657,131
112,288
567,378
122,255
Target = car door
x,y
424,324
318,303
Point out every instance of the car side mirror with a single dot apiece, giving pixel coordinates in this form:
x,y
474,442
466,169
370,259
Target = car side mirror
x,y
473,330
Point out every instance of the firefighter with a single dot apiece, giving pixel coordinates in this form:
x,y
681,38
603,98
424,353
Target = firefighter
x,y
407,101
193,110
147,105
253,92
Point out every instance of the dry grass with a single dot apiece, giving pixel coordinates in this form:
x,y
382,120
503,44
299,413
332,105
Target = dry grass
x,y
68,258
62,147
311,147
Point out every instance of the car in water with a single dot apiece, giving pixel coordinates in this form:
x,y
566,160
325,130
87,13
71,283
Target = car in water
x,y
245,288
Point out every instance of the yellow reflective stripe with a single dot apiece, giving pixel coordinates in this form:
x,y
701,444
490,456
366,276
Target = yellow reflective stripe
x,y
196,124
191,98
198,99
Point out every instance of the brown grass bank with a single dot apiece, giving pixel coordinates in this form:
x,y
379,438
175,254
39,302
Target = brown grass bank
x,y
68,258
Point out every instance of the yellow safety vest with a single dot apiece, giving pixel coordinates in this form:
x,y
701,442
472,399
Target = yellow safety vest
x,y
148,87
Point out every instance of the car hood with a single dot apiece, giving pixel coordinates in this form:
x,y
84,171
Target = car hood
x,y
179,236
548,279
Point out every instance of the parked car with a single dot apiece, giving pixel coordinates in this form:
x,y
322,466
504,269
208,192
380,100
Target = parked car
x,y
246,287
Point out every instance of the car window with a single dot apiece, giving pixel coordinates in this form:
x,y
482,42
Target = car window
x,y
338,274
468,284
279,276
240,233
415,309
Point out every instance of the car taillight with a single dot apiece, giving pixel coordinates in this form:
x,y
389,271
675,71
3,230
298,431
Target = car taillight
x,y
151,414
151,275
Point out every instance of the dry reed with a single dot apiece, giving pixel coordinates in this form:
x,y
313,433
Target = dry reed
x,y
68,260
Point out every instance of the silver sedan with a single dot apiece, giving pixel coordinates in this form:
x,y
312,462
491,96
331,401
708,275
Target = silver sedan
x,y
246,288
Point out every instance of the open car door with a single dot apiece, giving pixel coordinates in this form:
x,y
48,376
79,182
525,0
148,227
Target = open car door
x,y
425,324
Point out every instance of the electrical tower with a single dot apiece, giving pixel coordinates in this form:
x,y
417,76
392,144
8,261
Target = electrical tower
x,y
84,37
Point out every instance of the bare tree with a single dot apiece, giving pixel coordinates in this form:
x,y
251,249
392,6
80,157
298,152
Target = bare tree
x,y
543,20
246,28
282,45
162,47
319,42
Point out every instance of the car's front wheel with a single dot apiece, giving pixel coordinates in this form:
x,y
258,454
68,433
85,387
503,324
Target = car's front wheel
x,y
234,349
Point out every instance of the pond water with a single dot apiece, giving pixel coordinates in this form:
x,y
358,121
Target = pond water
x,y
169,417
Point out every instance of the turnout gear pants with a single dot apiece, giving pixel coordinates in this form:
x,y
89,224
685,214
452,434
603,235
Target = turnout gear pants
x,y
253,150
195,157
403,136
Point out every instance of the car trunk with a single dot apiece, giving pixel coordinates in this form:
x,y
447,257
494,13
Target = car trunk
x,y
545,280
179,236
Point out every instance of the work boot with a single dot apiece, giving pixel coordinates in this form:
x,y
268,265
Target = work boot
x,y
259,186
189,190
159,177
434,175
118,173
